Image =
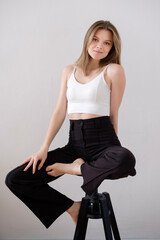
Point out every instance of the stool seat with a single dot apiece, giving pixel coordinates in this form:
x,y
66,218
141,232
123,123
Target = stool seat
x,y
97,206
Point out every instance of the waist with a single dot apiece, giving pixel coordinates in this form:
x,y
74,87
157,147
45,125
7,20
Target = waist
x,y
92,132
97,122
74,116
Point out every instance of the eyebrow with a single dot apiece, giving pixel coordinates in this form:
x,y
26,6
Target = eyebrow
x,y
105,40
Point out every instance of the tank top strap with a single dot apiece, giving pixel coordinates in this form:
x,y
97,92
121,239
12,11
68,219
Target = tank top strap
x,y
74,68
106,67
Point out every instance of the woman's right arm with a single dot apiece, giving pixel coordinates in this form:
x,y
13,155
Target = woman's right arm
x,y
59,113
55,124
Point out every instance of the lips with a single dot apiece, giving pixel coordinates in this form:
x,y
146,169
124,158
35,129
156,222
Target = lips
x,y
97,51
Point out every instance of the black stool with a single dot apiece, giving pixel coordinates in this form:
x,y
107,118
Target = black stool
x,y
97,206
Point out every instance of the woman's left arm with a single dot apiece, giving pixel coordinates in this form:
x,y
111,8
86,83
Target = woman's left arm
x,y
118,81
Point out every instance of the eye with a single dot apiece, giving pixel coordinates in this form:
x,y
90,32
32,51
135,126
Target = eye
x,y
94,39
107,43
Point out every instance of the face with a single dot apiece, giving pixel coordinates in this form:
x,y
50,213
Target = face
x,y
101,44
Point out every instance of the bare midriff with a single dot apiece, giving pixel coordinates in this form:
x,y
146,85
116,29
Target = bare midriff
x,y
74,116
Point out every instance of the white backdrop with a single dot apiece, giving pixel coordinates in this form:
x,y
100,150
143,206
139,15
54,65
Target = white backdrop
x,y
37,39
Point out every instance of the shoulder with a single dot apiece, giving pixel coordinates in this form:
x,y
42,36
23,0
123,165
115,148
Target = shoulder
x,y
115,72
114,69
66,73
68,69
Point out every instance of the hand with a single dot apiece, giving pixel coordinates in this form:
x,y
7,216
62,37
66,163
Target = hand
x,y
41,156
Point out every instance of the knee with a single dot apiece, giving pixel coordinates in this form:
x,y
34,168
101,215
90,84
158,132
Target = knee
x,y
11,179
8,180
122,156
127,158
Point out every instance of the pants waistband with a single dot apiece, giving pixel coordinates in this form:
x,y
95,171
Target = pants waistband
x,y
97,122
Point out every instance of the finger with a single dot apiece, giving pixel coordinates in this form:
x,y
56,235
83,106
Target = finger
x,y
34,166
40,165
29,164
28,159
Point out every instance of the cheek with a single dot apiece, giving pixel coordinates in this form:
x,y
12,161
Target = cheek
x,y
91,46
107,49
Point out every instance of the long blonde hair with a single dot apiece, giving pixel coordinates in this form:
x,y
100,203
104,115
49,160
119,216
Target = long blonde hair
x,y
114,55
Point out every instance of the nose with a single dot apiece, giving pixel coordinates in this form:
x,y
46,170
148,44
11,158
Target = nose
x,y
99,45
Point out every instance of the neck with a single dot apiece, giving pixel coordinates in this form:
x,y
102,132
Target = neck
x,y
93,65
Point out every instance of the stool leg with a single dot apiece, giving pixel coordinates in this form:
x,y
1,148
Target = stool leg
x,y
112,217
81,227
105,217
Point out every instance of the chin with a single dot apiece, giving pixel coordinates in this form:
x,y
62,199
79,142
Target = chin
x,y
98,58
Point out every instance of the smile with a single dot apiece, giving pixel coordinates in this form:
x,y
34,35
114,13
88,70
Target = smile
x,y
96,51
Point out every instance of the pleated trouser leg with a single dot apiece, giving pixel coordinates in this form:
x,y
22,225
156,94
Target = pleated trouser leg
x,y
33,189
115,162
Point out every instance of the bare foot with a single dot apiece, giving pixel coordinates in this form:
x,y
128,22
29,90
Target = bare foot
x,y
74,211
76,166
58,169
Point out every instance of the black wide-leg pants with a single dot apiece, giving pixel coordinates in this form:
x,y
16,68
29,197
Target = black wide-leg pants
x,y
95,141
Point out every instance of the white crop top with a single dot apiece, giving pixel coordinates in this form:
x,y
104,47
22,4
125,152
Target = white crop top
x,y
92,97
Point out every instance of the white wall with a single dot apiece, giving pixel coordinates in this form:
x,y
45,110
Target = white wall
x,y
37,39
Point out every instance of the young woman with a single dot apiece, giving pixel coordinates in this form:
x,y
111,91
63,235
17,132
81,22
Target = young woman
x,y
91,92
